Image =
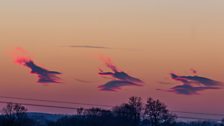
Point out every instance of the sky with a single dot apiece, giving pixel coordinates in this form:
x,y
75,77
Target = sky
x,y
147,39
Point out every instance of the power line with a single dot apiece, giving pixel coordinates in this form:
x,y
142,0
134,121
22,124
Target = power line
x,y
196,118
199,113
56,101
40,105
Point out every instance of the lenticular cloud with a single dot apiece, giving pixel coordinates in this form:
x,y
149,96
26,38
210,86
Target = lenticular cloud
x,y
44,75
116,84
119,78
193,84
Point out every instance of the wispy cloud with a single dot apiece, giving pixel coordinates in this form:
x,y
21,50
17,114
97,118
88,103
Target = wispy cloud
x,y
190,85
44,75
99,47
89,46
84,81
164,82
119,77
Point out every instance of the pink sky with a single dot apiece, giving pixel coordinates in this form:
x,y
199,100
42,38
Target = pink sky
x,y
147,39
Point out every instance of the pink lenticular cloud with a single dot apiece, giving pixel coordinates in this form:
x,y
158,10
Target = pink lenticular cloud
x,y
108,62
193,84
20,56
117,74
22,60
44,76
119,78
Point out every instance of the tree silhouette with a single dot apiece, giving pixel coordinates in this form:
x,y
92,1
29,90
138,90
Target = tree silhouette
x,y
80,111
14,111
88,117
15,115
129,113
222,123
157,114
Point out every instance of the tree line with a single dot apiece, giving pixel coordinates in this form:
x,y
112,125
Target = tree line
x,y
132,113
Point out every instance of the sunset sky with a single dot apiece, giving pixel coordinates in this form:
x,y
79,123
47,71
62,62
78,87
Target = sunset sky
x,y
148,39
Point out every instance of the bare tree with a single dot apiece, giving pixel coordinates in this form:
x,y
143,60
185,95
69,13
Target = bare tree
x,y
14,111
136,102
129,113
80,111
157,114
15,115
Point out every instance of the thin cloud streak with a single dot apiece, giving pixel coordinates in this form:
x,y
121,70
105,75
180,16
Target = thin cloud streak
x,y
99,47
89,46
84,81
